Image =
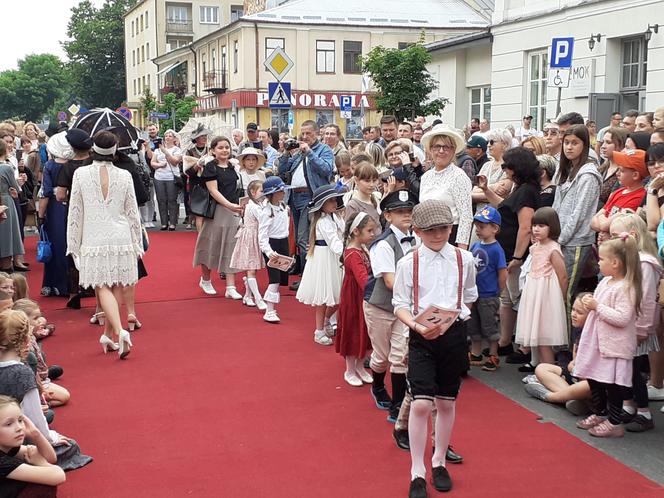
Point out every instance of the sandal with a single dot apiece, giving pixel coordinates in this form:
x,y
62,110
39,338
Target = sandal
x,y
590,422
607,429
98,318
133,323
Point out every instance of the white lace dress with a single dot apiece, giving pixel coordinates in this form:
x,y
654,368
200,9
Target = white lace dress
x,y
104,235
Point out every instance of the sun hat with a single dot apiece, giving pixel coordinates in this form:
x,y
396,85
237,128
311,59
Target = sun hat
x,y
442,130
274,184
633,159
250,151
432,213
200,131
324,193
488,214
58,146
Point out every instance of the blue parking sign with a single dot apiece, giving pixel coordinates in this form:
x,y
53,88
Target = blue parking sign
x,y
346,103
561,53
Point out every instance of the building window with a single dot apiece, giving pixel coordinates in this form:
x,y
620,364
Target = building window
x,y
237,11
271,44
235,55
141,18
132,29
324,56
209,15
538,64
135,89
148,81
176,14
143,53
147,51
279,119
480,102
352,53
133,57
146,19
634,64
404,45
223,58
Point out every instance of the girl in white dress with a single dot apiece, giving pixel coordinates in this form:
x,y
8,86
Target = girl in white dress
x,y
104,235
321,280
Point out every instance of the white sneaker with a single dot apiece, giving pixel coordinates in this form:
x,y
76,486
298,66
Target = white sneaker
x,y
261,305
271,316
366,377
655,394
529,379
232,293
321,338
206,285
352,379
329,330
248,301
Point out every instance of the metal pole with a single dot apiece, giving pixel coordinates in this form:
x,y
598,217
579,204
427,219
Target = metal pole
x,y
560,92
173,112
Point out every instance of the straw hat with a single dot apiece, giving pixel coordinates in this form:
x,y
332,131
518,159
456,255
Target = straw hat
x,y
250,151
442,130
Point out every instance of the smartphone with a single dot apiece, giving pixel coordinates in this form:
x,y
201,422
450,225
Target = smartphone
x,y
411,156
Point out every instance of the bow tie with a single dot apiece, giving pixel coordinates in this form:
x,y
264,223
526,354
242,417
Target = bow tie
x,y
408,239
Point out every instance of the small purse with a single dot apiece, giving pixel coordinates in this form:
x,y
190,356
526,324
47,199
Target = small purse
x,y
201,202
44,249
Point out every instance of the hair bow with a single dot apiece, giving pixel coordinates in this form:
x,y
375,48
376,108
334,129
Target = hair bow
x,y
623,236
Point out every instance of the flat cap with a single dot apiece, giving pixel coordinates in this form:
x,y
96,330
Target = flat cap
x,y
432,213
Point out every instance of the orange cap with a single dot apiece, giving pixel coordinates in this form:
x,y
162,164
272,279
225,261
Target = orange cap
x,y
633,159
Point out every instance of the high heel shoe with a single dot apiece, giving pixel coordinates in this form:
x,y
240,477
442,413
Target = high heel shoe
x,y
107,343
125,342
133,323
98,318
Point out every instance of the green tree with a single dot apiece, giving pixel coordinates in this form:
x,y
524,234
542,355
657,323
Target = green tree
x,y
29,91
183,109
403,82
148,103
96,52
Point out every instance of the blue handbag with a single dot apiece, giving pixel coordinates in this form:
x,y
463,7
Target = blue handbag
x,y
44,250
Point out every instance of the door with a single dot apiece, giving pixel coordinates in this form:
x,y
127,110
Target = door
x,y
601,106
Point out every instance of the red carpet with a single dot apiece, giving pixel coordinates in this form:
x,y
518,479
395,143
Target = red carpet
x,y
214,402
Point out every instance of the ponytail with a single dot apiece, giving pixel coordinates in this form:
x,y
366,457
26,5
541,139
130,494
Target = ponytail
x,y
626,249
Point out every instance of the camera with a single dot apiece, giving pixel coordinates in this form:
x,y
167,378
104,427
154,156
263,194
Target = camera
x,y
291,144
156,142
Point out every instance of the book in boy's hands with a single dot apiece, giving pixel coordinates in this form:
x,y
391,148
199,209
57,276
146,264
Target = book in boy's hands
x,y
281,262
435,315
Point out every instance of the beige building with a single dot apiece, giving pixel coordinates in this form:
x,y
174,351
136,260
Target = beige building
x,y
155,27
225,69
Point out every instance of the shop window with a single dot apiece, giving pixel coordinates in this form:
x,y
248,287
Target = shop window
x,y
354,125
324,117
279,119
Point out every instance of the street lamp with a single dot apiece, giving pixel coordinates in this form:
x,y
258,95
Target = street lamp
x,y
594,38
651,28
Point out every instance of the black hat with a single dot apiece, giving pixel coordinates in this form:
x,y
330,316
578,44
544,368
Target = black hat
x,y
252,127
79,139
324,193
401,199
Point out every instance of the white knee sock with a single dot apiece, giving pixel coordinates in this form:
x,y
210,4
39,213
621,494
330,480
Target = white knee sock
x,y
272,294
252,287
418,425
444,425
351,362
247,291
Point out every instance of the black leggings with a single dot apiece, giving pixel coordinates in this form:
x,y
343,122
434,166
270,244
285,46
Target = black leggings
x,y
607,400
639,390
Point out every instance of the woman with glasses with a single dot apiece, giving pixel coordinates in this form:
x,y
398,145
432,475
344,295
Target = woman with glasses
x,y
500,141
613,141
552,140
448,183
165,162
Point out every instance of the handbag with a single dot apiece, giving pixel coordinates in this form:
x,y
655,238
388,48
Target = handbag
x,y
44,249
177,178
201,202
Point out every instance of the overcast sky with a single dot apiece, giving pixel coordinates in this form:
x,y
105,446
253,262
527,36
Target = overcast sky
x,y
34,27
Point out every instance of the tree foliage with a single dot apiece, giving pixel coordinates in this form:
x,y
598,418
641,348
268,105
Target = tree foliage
x,y
148,103
183,109
96,52
403,83
29,91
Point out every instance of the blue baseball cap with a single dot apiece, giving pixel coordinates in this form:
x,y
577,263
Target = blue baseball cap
x,y
488,214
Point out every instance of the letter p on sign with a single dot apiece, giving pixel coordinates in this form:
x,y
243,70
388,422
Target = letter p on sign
x,y
561,53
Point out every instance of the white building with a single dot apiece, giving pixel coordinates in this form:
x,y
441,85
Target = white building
x,y
618,61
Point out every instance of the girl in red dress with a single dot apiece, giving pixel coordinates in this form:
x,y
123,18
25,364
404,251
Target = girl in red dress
x,y
352,340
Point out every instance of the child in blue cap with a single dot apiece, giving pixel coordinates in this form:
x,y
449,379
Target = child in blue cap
x,y
491,268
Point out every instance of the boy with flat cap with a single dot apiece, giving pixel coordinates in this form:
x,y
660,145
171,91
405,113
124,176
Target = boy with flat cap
x,y
437,355
389,337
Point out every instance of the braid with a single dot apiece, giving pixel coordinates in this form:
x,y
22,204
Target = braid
x,y
14,330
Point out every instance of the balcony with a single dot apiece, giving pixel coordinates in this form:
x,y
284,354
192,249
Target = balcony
x,y
179,26
179,90
215,81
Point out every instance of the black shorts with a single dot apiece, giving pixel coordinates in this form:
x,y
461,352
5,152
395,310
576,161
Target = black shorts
x,y
435,367
277,276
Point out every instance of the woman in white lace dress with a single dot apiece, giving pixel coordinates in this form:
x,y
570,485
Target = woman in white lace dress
x,y
104,235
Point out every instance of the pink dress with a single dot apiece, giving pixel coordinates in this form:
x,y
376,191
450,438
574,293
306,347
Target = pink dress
x,y
590,362
542,319
247,253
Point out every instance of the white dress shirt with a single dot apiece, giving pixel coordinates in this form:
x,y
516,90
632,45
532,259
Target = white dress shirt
x,y
330,228
438,280
298,180
273,223
382,256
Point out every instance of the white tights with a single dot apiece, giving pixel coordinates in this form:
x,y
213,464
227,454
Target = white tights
x,y
420,411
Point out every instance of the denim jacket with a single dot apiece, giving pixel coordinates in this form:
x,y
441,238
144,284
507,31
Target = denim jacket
x,y
318,168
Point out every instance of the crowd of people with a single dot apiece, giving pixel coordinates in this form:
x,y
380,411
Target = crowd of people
x,y
540,248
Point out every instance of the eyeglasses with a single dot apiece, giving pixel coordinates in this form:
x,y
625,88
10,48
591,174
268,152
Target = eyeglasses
x,y
444,148
551,131
393,154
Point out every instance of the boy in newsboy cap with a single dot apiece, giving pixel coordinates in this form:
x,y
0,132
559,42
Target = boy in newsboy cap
x,y
437,357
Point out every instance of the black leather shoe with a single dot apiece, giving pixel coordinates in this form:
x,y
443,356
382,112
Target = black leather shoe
x,y
401,437
441,479
418,488
452,457
21,268
74,302
294,286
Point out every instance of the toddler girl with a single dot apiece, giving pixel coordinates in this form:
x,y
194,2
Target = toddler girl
x,y
273,228
21,290
24,468
321,280
608,341
363,198
542,321
7,285
352,341
251,160
247,253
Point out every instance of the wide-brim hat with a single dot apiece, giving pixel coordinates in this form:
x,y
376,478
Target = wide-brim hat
x,y
250,151
323,194
59,147
274,184
442,130
200,131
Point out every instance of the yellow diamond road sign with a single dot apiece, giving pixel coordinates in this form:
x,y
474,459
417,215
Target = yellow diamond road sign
x,y
278,63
